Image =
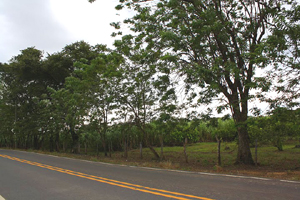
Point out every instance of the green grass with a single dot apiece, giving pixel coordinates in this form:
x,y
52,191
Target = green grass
x,y
203,157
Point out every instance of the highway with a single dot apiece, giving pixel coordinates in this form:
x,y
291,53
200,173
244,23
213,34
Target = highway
x,y
33,176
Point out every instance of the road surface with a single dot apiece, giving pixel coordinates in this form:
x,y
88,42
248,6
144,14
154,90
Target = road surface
x,y
34,176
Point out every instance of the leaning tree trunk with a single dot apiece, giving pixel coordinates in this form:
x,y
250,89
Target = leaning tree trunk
x,y
161,139
148,143
153,151
151,148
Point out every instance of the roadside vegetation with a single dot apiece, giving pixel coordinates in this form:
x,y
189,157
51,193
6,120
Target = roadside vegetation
x,y
202,157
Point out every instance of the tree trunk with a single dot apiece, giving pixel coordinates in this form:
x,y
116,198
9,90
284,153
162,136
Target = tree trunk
x,y
148,144
103,140
57,142
75,141
184,150
64,146
125,149
255,152
52,144
97,149
110,149
279,144
16,143
141,150
161,139
35,142
219,151
240,115
244,155
153,151
104,147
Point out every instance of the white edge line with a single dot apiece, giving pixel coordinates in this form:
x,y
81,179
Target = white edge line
x,y
150,168
290,181
1,198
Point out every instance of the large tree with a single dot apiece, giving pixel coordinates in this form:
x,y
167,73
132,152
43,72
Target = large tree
x,y
24,83
216,46
69,94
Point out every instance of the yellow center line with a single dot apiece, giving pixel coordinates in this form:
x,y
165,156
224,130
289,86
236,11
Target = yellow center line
x,y
135,187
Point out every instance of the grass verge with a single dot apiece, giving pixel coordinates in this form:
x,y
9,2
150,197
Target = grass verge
x,y
202,157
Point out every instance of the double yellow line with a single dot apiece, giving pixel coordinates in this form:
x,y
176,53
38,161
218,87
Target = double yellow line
x,y
130,186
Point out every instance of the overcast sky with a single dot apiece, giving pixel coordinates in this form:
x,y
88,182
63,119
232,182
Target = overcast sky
x,y
49,25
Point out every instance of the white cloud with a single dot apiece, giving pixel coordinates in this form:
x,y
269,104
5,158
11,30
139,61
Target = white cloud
x,y
85,21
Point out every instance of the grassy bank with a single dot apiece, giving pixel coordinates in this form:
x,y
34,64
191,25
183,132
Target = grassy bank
x,y
203,157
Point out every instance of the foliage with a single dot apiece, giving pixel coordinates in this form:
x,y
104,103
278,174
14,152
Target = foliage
x,y
284,48
225,130
276,128
184,129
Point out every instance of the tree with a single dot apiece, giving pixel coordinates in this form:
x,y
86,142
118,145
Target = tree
x,y
24,84
145,93
216,46
283,123
138,98
70,95
100,79
71,108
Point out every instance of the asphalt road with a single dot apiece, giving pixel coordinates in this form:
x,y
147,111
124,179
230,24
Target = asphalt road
x,y
33,176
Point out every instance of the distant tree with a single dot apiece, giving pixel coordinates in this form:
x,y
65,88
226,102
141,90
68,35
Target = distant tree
x,y
282,123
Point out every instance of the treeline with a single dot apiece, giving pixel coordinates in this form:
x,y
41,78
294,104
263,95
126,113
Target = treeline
x,y
87,98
